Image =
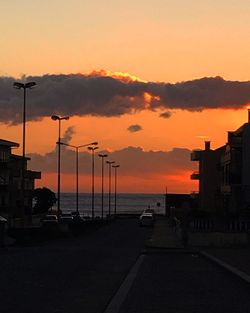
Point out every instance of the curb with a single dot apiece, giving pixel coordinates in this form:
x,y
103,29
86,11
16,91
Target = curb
x,y
226,266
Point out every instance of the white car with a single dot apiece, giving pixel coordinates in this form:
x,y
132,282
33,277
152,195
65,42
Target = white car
x,y
146,219
49,219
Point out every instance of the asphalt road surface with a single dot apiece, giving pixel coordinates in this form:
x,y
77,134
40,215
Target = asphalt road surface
x,y
185,283
83,274
79,274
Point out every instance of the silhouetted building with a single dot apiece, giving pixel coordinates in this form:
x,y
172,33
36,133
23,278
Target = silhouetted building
x,y
224,173
176,203
235,166
208,176
10,181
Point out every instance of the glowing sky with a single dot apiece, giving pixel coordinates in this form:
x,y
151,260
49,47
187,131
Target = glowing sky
x,y
157,41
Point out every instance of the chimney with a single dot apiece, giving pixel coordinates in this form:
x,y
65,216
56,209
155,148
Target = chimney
x,y
207,145
248,116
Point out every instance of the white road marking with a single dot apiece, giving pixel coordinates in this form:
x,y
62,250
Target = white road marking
x,y
117,301
230,268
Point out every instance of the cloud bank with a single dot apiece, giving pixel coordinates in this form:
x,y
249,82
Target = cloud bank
x,y
134,161
104,94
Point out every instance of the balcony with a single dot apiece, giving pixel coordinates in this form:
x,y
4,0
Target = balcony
x,y
225,189
195,176
194,195
33,175
4,183
235,141
4,178
196,155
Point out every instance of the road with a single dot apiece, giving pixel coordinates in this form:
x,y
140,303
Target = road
x,y
185,283
83,274
78,274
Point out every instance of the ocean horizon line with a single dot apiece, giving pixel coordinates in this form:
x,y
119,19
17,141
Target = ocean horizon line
x,y
125,193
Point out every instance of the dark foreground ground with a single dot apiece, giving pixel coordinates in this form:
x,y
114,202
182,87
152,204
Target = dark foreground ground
x,y
78,274
185,283
83,274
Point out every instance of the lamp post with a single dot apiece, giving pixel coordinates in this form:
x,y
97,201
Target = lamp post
x,y
59,119
77,167
92,149
115,167
102,156
110,163
24,86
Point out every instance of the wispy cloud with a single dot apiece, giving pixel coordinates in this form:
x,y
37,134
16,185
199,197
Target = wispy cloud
x,y
68,134
103,94
202,137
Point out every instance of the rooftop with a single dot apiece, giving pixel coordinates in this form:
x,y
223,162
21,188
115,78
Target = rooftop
x,y
7,143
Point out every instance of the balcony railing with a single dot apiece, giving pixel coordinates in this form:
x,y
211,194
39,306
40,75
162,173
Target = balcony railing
x,y
195,175
194,195
225,189
33,174
4,181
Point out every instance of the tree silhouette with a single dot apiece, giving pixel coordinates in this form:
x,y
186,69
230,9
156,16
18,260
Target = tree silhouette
x,y
44,198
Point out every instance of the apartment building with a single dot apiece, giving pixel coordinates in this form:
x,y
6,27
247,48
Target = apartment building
x,y
11,181
224,173
208,175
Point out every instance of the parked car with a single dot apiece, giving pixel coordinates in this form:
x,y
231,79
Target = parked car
x,y
148,210
77,217
146,219
66,218
49,219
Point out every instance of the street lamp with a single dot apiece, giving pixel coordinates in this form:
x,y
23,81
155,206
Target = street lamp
x,y
110,163
59,119
102,156
77,175
92,149
115,167
24,86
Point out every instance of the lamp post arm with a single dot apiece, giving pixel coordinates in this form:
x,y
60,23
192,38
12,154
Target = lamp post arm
x,y
88,144
66,144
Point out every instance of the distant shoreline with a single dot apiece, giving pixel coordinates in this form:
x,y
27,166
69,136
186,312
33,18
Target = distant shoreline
x,y
124,193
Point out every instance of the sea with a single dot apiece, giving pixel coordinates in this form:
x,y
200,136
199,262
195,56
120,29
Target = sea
x,y
126,203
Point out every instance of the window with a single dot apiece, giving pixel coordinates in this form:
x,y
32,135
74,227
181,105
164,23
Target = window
x,y
4,156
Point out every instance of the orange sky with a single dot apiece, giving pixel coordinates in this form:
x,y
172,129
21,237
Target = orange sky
x,y
158,41
184,129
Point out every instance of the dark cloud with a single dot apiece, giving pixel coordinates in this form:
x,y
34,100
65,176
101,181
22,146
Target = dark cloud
x,y
134,128
97,95
166,114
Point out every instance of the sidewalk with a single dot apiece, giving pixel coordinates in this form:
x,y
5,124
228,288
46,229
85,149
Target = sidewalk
x,y
165,237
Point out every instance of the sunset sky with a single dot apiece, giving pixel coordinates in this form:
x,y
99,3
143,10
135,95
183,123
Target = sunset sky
x,y
149,80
